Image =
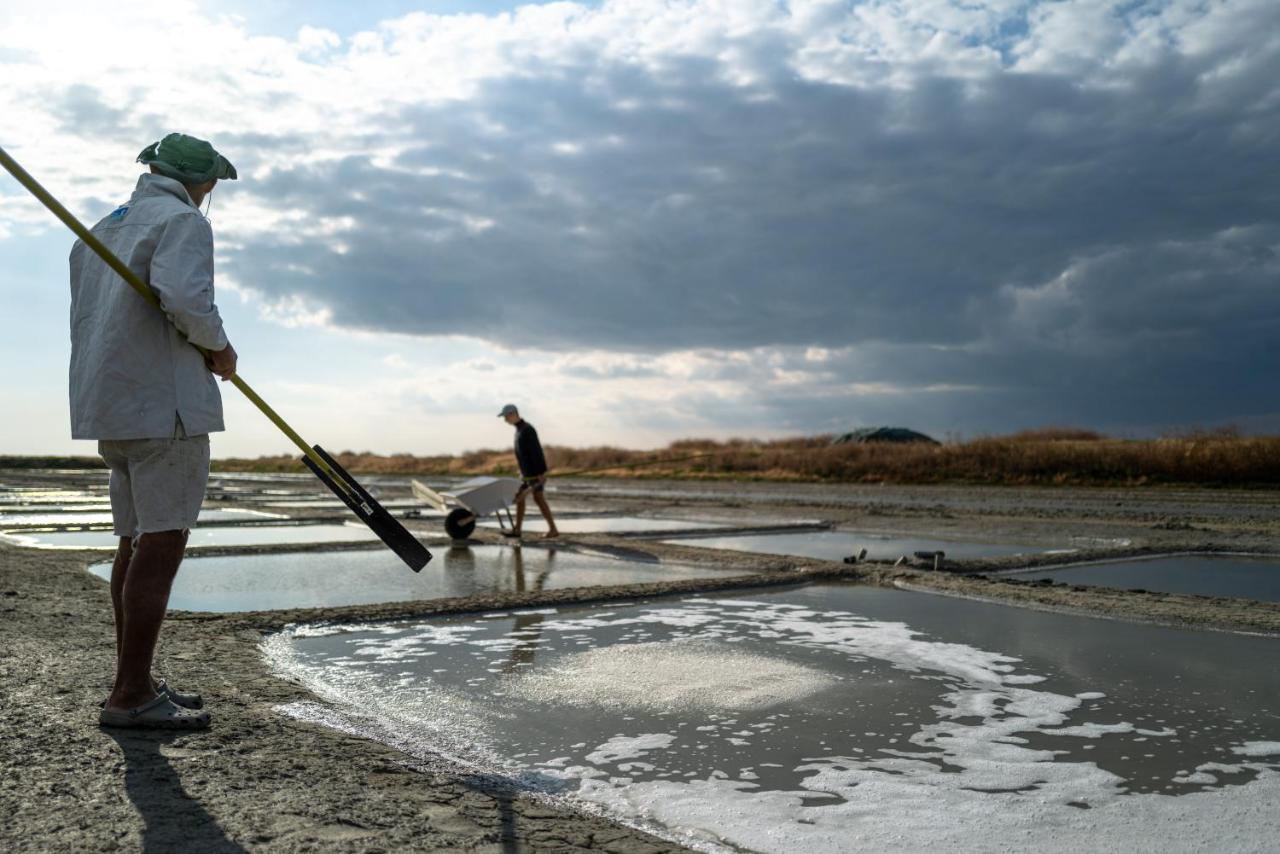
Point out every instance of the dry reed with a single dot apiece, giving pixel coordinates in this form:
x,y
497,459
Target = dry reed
x,y
1052,456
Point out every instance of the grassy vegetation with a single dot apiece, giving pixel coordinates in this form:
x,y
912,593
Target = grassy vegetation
x,y
1052,456
1048,456
62,463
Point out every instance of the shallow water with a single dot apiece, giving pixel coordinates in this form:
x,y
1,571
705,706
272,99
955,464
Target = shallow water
x,y
261,477
610,524
68,519
49,499
835,717
56,511
248,535
330,579
402,481
836,545
328,504
1245,577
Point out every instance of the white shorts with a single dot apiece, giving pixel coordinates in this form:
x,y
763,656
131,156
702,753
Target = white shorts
x,y
156,484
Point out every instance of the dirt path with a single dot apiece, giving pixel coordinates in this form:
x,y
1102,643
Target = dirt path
x,y
262,781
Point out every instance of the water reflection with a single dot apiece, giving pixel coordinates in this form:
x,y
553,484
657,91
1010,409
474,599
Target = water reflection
x,y
257,582
527,630
539,578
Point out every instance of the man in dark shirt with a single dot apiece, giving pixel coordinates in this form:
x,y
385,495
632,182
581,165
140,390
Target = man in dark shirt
x,y
533,470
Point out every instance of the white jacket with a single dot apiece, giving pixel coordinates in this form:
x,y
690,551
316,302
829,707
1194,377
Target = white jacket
x,y
132,371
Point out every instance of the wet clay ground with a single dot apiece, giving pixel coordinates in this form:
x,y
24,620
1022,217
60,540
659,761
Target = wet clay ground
x,y
261,781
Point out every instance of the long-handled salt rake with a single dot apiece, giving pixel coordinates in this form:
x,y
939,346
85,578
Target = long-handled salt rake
x,y
330,473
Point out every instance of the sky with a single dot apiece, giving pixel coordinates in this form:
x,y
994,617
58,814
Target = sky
x,y
645,220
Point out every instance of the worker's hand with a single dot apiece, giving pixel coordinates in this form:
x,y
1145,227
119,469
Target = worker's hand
x,y
222,362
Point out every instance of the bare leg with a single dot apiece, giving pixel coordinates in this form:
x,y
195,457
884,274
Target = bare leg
x,y
520,502
119,571
546,514
144,597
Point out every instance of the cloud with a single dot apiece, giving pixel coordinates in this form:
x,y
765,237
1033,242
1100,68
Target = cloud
x,y
988,208
664,203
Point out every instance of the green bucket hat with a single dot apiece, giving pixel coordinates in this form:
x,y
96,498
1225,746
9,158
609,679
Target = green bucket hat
x,y
187,159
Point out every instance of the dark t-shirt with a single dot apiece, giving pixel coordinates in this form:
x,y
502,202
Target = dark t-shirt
x,y
529,456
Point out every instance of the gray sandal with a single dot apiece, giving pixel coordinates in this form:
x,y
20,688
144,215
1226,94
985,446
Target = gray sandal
x,y
187,701
160,713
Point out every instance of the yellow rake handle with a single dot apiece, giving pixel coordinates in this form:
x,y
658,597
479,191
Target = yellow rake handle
x,y
144,290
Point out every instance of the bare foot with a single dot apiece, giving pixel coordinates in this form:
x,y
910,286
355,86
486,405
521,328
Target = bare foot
x,y
551,535
126,702
155,692
510,533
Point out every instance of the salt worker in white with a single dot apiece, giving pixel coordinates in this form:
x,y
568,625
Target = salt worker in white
x,y
150,399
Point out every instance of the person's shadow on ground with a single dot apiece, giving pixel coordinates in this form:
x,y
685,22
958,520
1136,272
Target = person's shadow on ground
x,y
505,791
172,819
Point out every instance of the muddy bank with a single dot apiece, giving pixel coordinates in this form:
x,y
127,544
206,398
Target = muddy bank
x,y
1129,505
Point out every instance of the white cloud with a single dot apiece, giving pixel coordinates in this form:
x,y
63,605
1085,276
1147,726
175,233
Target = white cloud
x,y
777,214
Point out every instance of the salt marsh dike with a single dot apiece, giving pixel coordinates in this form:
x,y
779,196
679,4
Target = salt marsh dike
x,y
767,702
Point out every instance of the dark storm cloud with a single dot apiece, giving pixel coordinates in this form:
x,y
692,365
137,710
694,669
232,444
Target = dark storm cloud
x,y
1099,250
821,215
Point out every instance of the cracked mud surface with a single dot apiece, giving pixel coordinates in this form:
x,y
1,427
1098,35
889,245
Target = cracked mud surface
x,y
261,781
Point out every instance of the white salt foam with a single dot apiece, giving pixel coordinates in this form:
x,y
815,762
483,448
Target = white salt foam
x,y
1090,730
671,676
621,747
885,814
960,786
1257,748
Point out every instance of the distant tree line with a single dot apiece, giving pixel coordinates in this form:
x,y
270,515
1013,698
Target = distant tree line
x,y
1044,456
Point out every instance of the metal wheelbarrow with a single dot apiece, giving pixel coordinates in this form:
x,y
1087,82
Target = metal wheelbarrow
x,y
468,501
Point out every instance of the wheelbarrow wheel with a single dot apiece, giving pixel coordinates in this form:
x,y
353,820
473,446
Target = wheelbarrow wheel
x,y
459,523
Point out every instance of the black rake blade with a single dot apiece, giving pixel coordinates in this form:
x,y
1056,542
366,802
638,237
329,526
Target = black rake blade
x,y
382,523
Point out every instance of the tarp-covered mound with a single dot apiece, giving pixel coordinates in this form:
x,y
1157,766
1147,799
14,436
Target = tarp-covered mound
x,y
882,434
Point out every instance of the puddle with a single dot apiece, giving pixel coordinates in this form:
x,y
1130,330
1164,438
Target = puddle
x,y
315,580
26,511
833,718
306,479
261,477
327,504
256,492
51,500
1234,575
836,545
72,518
608,524
248,535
